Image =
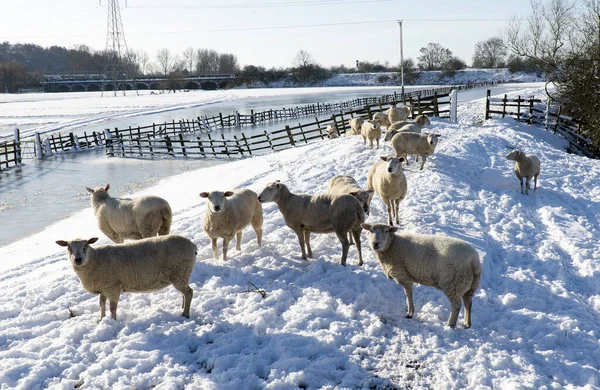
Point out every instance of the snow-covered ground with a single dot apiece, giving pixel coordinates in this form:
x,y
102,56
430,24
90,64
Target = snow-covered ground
x,y
536,318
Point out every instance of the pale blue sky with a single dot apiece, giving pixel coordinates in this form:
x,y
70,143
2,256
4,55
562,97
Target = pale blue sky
x,y
251,29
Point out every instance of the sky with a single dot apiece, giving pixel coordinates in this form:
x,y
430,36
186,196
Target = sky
x,y
267,33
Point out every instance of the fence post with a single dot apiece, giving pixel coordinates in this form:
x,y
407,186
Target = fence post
x,y
487,104
252,119
108,143
547,119
237,144
17,147
200,147
519,108
221,120
169,146
530,109
182,145
453,105
150,146
39,154
504,106
289,134
246,142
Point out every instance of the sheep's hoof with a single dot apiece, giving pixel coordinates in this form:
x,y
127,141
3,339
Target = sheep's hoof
x,y
409,316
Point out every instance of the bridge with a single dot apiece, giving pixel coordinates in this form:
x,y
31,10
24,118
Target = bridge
x,y
99,82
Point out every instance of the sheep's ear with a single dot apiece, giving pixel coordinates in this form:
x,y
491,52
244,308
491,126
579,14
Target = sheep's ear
x,y
277,181
62,243
228,193
383,158
88,189
438,135
107,187
92,240
366,226
354,194
393,229
401,159
204,194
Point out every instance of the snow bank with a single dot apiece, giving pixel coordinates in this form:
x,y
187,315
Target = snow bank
x,y
536,318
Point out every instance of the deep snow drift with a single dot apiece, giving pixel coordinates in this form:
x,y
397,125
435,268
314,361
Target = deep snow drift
x,y
536,318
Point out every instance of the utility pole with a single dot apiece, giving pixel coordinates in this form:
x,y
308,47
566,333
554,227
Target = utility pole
x,y
118,64
401,58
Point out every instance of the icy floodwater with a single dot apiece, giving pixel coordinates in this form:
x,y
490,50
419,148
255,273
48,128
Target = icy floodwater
x,y
42,192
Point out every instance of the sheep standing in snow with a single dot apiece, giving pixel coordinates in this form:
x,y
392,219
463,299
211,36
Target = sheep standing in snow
x,y
396,114
228,213
382,118
525,167
388,181
371,130
332,131
448,264
407,126
405,143
355,126
139,266
318,214
125,218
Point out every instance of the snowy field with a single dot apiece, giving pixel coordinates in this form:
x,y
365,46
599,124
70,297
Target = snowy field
x,y
536,317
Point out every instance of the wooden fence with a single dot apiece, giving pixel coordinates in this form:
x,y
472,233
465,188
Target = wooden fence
x,y
533,110
10,152
134,143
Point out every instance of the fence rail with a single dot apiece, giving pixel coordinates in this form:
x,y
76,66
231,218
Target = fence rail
x,y
10,152
532,110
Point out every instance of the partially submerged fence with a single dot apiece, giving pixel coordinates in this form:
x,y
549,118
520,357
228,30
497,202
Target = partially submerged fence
x,y
531,110
10,152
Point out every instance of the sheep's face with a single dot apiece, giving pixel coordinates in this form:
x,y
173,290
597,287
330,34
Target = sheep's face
x,y
364,197
390,134
271,192
422,120
216,200
432,139
77,250
379,236
394,165
514,155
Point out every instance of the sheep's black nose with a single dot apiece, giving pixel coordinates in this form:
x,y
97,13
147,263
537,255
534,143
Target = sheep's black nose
x,y
376,245
390,170
217,208
78,260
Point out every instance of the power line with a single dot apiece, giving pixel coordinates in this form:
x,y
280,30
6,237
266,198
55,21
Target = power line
x,y
262,5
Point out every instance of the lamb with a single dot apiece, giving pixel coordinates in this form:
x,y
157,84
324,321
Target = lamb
x,y
318,214
332,131
396,114
525,167
388,181
228,213
372,131
382,118
355,126
446,263
413,143
135,218
146,265
407,126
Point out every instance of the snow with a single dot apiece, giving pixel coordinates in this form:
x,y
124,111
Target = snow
x,y
536,317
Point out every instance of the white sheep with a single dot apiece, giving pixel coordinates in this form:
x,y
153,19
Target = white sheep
x,y
405,143
146,265
525,167
130,218
370,130
355,126
403,126
396,114
448,264
388,181
332,131
325,213
382,118
228,213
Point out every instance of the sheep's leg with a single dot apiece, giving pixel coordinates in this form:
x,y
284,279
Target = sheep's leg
x,y
350,240
300,235
113,302
371,142
226,246
527,184
389,206
214,247
256,222
456,304
187,293
535,182
356,234
307,242
410,306
521,181
345,246
396,205
423,161
238,241
377,143
102,306
468,302
364,140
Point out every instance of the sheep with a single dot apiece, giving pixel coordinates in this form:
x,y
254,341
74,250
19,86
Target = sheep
x,y
525,167
413,143
415,126
146,265
388,181
382,118
370,129
446,263
355,126
228,213
332,131
396,114
318,214
125,218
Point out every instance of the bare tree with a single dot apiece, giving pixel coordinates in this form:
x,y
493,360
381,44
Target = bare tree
x,y
303,59
433,56
208,61
189,59
228,64
490,53
165,61
142,59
